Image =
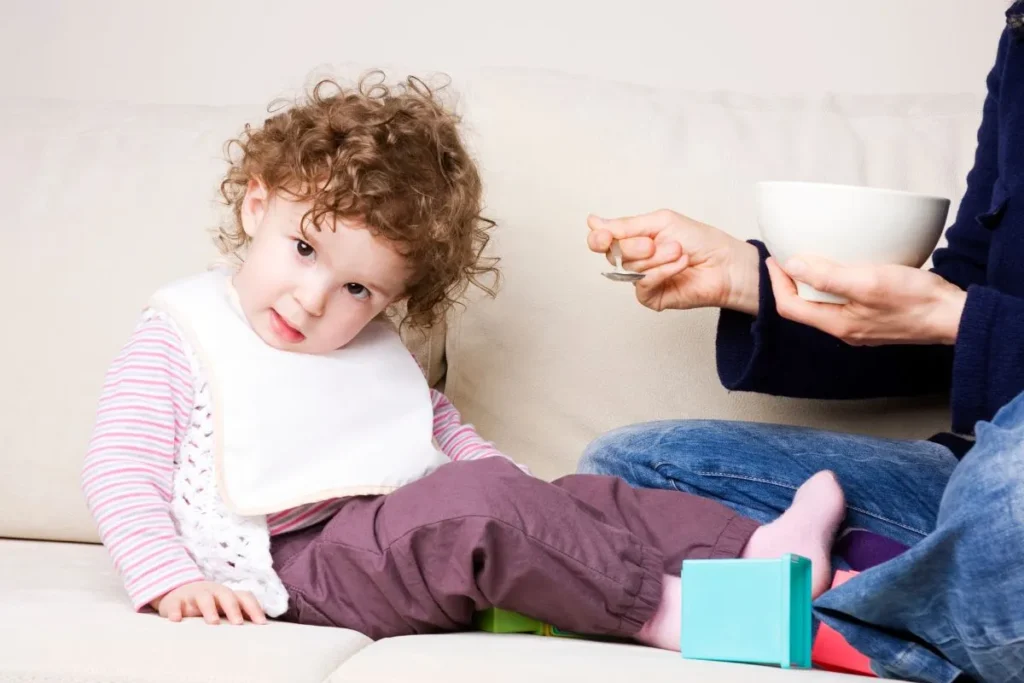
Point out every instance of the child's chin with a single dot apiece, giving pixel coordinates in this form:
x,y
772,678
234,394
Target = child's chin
x,y
275,342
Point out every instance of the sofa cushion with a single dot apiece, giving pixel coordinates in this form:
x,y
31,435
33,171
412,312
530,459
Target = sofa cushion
x,y
475,657
64,617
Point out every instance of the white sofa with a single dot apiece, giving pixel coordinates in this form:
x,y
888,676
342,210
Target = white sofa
x,y
102,198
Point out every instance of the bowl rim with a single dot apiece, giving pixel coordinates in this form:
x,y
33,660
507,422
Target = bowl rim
x,y
859,188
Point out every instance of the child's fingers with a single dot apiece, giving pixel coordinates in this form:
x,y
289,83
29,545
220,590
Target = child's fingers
x,y
252,607
229,605
208,606
171,609
191,610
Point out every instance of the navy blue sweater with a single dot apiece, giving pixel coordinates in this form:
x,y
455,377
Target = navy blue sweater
x,y
985,256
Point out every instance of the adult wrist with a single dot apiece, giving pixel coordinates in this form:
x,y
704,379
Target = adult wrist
x,y
744,289
952,302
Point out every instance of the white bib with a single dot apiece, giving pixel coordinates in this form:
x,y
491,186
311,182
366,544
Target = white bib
x,y
293,428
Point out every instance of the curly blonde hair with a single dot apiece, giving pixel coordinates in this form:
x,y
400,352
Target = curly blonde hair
x,y
388,157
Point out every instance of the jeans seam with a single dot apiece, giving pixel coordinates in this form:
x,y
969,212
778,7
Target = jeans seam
x,y
901,658
987,647
760,480
899,665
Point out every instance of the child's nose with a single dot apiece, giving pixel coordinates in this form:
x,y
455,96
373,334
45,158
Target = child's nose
x,y
313,298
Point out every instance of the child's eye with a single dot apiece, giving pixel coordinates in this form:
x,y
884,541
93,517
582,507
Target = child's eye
x,y
303,249
357,290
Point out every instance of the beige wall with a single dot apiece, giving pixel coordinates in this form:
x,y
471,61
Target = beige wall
x,y
230,51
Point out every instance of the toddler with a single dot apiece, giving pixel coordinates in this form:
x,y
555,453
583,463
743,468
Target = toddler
x,y
265,445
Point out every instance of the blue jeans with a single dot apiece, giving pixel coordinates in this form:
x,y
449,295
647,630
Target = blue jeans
x,y
951,605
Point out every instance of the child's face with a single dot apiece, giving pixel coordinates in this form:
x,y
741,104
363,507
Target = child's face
x,y
312,293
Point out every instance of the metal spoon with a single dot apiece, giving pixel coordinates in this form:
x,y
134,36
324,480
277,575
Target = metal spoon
x,y
620,274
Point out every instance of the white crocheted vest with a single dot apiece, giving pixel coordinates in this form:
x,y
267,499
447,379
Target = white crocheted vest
x,y
272,430
229,549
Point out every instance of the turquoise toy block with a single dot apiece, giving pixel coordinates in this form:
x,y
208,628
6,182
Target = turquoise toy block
x,y
751,611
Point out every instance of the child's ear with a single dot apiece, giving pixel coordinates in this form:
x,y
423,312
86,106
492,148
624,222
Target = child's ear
x,y
254,206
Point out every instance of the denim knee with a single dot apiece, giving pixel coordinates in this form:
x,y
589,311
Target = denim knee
x,y
982,516
654,453
602,455
989,481
636,444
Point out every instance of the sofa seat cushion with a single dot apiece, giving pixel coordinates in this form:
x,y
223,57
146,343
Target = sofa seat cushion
x,y
475,657
64,617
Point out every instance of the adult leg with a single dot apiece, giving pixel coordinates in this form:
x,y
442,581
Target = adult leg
x,y
892,487
954,601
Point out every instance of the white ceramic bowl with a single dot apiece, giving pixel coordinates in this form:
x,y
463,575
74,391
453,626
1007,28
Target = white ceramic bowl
x,y
849,224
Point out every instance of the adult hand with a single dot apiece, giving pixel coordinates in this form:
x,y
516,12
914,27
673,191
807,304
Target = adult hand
x,y
687,264
887,304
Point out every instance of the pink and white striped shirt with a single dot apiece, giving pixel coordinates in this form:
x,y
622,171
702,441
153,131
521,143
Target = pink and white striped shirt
x,y
142,417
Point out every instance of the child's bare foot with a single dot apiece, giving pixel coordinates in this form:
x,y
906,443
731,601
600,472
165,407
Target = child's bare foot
x,y
665,627
807,528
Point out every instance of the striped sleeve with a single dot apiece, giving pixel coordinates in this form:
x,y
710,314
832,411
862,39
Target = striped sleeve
x,y
141,418
457,440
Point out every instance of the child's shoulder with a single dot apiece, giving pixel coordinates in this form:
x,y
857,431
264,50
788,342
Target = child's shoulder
x,y
157,324
157,336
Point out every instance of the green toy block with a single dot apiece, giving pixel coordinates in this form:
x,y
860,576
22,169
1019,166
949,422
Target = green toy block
x,y
496,620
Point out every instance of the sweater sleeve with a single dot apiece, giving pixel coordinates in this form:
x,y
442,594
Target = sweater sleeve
x,y
988,366
988,369
963,261
769,354
460,441
141,418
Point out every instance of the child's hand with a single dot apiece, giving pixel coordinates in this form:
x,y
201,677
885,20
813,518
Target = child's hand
x,y
209,600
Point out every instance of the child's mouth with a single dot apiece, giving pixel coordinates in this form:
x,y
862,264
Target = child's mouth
x,y
283,330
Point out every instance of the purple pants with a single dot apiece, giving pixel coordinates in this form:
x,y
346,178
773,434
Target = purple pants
x,y
585,553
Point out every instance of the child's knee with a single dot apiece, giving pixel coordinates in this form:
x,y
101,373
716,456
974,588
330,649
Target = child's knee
x,y
476,488
483,487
